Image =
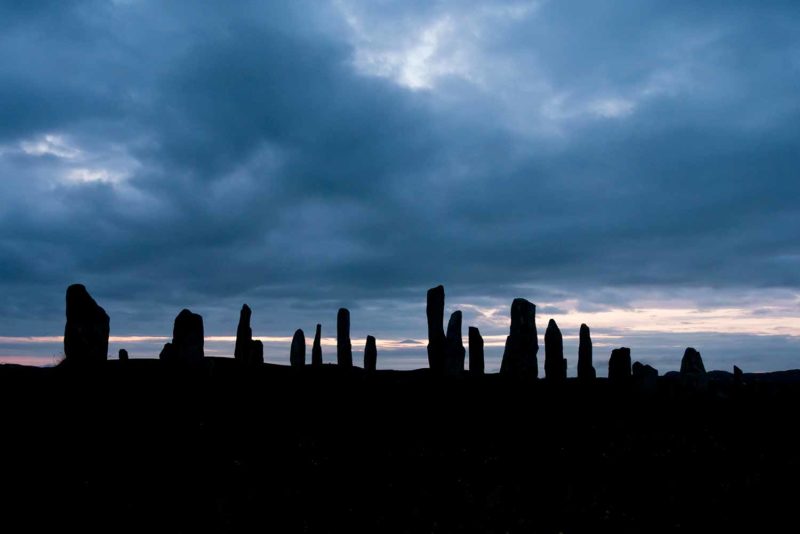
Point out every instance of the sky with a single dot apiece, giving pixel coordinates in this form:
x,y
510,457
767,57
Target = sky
x,y
632,165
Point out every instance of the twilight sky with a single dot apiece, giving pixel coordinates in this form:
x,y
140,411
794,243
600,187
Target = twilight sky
x,y
634,165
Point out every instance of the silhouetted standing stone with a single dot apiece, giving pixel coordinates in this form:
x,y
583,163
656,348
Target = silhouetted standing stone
x,y
316,348
522,345
476,364
437,344
187,339
344,349
454,353
244,336
555,367
297,355
693,372
645,377
370,355
586,370
692,363
256,355
123,355
738,377
619,365
87,328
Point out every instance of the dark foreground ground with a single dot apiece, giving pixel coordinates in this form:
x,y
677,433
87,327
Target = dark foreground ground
x,y
140,447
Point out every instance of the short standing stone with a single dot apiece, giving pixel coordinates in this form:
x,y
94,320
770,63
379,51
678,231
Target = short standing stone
x,y
586,370
645,376
454,352
297,355
188,337
437,344
123,355
554,364
256,355
476,363
87,328
316,348
370,355
244,336
738,377
522,345
619,365
344,349
692,362
693,372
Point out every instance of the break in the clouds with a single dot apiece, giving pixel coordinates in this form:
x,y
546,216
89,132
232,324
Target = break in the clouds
x,y
629,164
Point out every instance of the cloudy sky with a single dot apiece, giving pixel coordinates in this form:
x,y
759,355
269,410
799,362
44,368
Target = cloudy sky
x,y
634,165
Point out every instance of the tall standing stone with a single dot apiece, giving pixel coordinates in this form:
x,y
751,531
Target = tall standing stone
x,y
123,355
476,364
555,366
522,345
437,343
316,348
297,354
619,365
187,339
244,336
454,352
370,355
586,370
344,349
87,328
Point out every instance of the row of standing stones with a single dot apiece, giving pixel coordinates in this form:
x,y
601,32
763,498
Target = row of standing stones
x,y
87,331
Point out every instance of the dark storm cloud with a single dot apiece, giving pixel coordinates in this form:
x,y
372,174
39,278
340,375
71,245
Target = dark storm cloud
x,y
303,157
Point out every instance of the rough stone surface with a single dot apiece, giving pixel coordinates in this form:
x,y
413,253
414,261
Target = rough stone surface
x,y
297,354
519,357
476,362
87,328
344,349
555,367
619,365
244,336
586,369
316,348
454,352
437,343
370,355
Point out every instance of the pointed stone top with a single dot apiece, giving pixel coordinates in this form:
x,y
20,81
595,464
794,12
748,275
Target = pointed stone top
x,y
454,325
692,362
